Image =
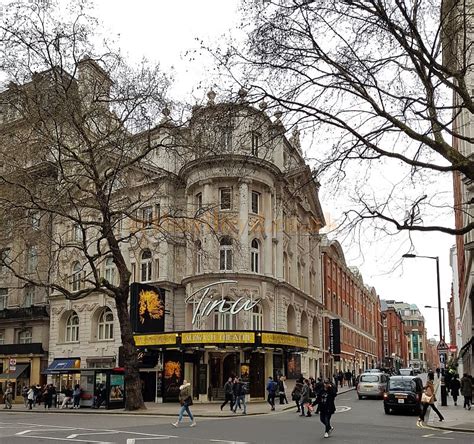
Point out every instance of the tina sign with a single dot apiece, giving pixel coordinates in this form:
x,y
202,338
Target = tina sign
x,y
204,304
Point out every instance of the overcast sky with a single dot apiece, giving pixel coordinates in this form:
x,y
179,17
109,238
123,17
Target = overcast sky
x,y
166,31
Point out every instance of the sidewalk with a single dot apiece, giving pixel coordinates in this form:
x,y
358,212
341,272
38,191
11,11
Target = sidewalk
x,y
455,417
211,409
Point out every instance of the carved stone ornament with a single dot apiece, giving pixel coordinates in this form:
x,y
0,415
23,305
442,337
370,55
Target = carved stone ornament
x,y
211,95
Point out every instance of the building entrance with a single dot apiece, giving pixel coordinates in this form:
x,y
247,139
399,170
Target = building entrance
x,y
222,367
257,375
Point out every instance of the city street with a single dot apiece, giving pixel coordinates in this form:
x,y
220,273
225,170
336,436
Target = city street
x,y
357,421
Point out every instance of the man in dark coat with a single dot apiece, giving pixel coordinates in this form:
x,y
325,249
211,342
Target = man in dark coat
x,y
228,393
327,406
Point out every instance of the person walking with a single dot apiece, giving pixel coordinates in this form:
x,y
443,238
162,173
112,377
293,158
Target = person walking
x,y
229,394
305,398
438,371
428,400
272,387
296,393
327,406
186,400
76,396
239,396
24,393
282,390
455,388
31,397
8,397
431,375
466,390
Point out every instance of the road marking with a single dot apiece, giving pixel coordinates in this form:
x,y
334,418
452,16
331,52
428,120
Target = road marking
x,y
343,408
229,442
23,432
66,439
91,433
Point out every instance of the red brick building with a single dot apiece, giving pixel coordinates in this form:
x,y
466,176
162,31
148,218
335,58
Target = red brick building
x,y
347,298
394,340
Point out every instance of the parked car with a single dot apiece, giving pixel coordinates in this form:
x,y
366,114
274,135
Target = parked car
x,y
406,372
372,385
403,394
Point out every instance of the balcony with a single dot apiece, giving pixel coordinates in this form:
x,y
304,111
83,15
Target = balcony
x,y
33,312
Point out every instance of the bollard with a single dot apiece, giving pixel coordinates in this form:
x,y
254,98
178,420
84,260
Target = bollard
x,y
444,393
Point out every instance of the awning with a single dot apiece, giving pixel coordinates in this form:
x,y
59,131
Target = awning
x,y
63,366
20,368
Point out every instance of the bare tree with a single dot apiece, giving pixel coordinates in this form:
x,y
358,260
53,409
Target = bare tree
x,y
81,143
371,82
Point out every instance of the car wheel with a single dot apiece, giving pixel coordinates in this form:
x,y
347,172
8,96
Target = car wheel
x,y
360,397
387,410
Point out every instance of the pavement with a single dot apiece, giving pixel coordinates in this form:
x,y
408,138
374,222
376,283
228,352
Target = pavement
x,y
208,409
456,418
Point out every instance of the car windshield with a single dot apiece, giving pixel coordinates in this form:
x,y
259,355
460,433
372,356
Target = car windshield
x,y
405,371
369,378
401,384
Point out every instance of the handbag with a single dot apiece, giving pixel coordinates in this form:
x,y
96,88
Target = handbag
x,y
425,399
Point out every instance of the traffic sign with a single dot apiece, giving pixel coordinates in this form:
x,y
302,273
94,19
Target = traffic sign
x,y
442,346
12,362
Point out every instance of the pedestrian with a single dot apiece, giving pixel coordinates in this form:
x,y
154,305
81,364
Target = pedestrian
x,y
48,396
428,400
31,397
296,393
186,400
8,397
272,387
466,390
101,395
318,388
229,394
306,398
438,371
76,396
455,388
327,406
24,393
340,377
431,375
282,390
67,397
239,396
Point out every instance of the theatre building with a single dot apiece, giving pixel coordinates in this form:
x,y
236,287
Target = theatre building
x,y
234,288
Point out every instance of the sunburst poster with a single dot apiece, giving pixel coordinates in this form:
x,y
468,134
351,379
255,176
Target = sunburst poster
x,y
147,308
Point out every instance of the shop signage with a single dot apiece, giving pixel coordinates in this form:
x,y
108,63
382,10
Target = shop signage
x,y
218,337
204,305
282,339
160,339
334,336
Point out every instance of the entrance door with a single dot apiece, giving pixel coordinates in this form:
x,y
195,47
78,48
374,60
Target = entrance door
x,y
257,375
148,386
231,367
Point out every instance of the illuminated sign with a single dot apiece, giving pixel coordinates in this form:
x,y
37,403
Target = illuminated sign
x,y
204,305
218,337
160,339
282,339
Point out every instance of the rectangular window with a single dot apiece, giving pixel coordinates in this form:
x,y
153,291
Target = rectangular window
x,y
35,219
158,213
32,259
3,298
25,336
77,233
255,143
255,202
226,139
4,259
29,296
198,202
2,337
225,198
147,217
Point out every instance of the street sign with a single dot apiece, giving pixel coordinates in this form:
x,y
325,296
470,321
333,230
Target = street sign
x,y
12,368
12,362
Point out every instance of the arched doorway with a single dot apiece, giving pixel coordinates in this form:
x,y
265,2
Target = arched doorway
x,y
316,337
304,324
231,366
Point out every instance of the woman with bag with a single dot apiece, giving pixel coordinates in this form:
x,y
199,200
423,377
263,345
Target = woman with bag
x,y
296,393
185,399
428,399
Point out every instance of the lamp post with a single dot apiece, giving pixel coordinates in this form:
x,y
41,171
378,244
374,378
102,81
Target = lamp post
x,y
436,258
441,329
444,325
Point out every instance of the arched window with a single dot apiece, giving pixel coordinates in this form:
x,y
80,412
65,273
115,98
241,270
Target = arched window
x,y
110,270
72,328
146,266
106,325
225,254
76,276
199,254
257,318
299,275
25,336
224,321
255,256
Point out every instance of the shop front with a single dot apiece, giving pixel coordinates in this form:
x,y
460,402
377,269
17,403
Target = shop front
x,y
207,359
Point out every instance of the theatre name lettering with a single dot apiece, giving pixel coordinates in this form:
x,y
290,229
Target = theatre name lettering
x,y
204,305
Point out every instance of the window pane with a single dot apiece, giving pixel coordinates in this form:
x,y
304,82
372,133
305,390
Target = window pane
x,y
225,196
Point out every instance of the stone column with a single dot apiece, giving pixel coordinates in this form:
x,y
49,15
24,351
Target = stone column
x,y
268,233
244,225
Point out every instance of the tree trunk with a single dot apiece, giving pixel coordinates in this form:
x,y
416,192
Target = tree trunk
x,y
133,386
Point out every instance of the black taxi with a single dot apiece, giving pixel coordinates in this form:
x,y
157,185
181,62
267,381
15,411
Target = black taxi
x,y
403,393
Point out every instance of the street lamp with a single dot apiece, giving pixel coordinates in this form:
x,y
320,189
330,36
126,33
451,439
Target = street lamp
x,y
436,258
444,325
